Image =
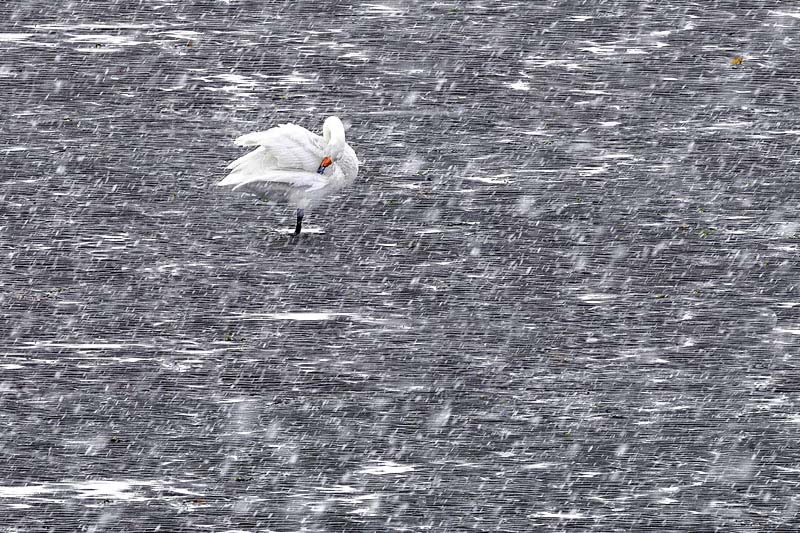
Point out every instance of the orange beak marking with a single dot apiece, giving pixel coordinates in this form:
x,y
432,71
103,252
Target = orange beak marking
x,y
325,164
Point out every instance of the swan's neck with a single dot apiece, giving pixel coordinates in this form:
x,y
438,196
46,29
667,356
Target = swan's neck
x,y
335,144
333,132
335,136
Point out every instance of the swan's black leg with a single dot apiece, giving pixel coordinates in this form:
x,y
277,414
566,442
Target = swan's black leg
x,y
299,226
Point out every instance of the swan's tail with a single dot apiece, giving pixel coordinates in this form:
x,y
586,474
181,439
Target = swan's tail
x,y
248,167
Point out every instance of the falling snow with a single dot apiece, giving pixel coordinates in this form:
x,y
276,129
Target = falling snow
x,y
561,294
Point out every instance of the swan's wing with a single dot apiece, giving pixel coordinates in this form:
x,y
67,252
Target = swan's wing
x,y
285,147
308,181
260,165
253,166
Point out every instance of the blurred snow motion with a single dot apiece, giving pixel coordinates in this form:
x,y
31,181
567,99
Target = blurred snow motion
x,y
562,293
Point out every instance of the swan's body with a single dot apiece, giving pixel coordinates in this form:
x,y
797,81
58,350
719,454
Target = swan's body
x,y
294,165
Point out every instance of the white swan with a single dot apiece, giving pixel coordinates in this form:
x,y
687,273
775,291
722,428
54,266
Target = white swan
x,y
294,165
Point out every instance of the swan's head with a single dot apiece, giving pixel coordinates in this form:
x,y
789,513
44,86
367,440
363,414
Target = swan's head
x,y
333,135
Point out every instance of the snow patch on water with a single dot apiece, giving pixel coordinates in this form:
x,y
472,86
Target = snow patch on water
x,y
118,490
539,466
499,179
790,331
795,15
10,37
103,39
380,9
568,515
84,346
308,316
597,298
386,468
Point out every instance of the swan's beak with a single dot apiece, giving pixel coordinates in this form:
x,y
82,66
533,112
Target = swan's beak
x,y
325,164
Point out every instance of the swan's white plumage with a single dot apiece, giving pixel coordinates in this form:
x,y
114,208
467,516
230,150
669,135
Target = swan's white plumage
x,y
284,166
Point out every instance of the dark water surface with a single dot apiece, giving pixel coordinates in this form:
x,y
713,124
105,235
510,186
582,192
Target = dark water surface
x,y
562,294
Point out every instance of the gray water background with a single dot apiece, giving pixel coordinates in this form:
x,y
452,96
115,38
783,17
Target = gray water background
x,y
560,296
